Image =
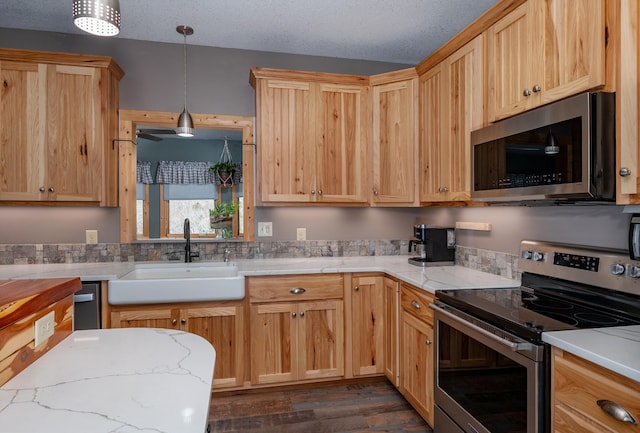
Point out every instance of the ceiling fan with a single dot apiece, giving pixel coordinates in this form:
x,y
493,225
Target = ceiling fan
x,y
150,134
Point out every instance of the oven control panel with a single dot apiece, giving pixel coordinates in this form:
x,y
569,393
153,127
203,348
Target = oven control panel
x,y
576,261
601,267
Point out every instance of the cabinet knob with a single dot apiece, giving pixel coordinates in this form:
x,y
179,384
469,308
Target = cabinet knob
x,y
443,189
536,88
526,92
174,322
51,189
616,411
319,192
624,172
183,321
42,189
356,288
375,193
293,314
313,192
416,304
302,314
428,342
297,291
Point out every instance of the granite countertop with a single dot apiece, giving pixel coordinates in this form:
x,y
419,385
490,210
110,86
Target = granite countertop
x,y
617,348
428,278
125,380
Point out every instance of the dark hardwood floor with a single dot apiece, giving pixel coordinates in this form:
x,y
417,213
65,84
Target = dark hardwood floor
x,y
345,408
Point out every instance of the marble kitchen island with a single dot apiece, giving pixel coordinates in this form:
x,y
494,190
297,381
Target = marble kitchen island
x,y
113,380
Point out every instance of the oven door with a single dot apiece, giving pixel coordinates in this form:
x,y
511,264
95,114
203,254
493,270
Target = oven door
x,y
486,383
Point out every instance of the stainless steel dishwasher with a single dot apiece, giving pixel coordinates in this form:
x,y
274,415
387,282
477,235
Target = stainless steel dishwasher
x,y
86,307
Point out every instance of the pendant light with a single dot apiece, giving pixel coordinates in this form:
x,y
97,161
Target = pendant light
x,y
185,122
98,17
551,146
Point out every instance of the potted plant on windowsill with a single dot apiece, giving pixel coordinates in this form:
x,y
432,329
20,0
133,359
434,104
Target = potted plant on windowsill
x,y
221,216
224,170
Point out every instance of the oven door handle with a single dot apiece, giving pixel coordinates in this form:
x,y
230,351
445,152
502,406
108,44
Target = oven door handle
x,y
516,347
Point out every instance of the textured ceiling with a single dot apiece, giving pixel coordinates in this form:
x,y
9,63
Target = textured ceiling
x,y
398,31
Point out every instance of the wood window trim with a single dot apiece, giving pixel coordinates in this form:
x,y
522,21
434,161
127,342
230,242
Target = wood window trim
x,y
129,119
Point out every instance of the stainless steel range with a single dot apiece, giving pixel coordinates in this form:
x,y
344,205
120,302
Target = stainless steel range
x,y
492,367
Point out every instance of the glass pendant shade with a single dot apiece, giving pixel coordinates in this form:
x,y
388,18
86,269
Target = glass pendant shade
x,y
185,124
98,17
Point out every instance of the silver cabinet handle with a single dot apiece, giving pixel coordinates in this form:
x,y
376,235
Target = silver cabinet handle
x,y
428,342
356,288
624,172
319,192
83,297
183,321
375,192
302,314
293,314
526,92
537,88
416,304
297,291
616,411
51,189
174,321
313,192
42,189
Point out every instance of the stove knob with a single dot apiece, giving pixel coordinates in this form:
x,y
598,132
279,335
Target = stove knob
x,y
526,255
537,256
617,269
634,271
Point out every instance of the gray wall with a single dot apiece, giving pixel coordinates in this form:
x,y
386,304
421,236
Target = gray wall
x,y
218,83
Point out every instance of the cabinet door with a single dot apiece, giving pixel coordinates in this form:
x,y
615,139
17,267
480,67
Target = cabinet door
x,y
368,318
286,147
391,331
22,107
74,145
341,152
464,111
416,380
511,65
166,318
321,339
574,47
223,327
432,132
274,342
394,143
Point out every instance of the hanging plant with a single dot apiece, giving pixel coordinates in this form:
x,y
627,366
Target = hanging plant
x,y
225,168
221,216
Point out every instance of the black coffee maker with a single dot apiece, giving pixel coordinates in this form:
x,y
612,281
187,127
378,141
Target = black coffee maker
x,y
435,246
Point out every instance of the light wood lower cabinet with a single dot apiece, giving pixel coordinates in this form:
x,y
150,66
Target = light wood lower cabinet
x,y
392,330
220,323
577,388
368,324
417,355
297,327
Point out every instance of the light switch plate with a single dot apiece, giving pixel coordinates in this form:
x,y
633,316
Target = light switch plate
x,y
44,328
265,229
91,236
301,234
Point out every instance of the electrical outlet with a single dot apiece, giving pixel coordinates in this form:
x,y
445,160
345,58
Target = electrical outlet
x,y
265,229
44,328
92,236
301,234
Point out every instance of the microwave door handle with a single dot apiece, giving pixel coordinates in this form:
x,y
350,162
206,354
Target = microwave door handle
x,y
511,345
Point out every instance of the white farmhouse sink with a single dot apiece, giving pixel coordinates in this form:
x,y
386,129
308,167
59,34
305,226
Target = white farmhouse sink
x,y
177,282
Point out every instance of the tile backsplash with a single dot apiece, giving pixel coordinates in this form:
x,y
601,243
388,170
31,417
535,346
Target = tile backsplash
x,y
494,262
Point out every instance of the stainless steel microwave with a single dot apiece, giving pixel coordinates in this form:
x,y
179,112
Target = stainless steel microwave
x,y
564,151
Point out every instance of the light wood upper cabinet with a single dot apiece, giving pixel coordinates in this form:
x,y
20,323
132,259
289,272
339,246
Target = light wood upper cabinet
x,y
312,137
395,138
543,51
297,327
220,323
57,120
577,387
451,106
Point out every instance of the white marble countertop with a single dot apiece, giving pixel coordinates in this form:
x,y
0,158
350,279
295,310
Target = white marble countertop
x,y
617,348
113,380
428,278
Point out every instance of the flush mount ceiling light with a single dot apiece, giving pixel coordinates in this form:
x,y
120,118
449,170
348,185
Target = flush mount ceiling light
x,y
185,122
98,17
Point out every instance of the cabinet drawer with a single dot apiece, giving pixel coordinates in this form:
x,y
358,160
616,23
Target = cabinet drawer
x,y
577,387
416,301
283,287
